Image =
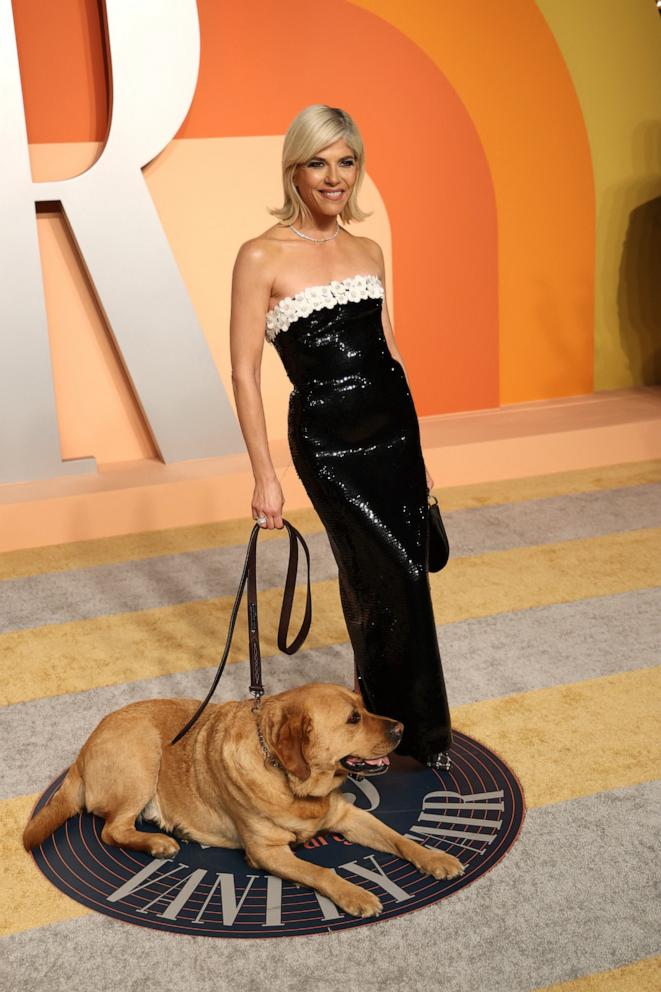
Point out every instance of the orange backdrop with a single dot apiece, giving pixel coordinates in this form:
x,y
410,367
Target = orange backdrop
x,y
475,143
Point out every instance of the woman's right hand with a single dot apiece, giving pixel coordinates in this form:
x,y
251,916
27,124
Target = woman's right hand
x,y
267,499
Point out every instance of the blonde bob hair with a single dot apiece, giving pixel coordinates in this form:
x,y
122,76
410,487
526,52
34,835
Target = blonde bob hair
x,y
312,129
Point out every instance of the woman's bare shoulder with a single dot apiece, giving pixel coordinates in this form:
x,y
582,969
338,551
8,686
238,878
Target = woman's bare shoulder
x,y
260,252
271,237
263,247
372,248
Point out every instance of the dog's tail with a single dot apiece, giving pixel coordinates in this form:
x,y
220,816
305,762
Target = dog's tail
x,y
68,799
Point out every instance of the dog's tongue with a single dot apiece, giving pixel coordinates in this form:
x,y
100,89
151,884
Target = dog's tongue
x,y
385,760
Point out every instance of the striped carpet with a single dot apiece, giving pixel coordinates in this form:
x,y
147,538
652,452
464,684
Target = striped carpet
x,y
549,621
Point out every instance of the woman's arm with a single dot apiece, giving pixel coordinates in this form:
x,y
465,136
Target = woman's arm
x,y
377,255
251,292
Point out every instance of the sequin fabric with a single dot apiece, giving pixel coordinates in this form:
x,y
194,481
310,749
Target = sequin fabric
x,y
355,445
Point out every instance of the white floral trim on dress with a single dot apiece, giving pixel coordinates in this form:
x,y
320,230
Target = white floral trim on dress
x,y
350,290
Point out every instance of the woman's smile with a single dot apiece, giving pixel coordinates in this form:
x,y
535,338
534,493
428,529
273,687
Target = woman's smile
x,y
332,194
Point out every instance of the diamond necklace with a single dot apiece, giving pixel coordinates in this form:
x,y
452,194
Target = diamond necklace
x,y
317,240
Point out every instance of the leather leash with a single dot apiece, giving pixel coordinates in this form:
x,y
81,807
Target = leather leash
x,y
250,571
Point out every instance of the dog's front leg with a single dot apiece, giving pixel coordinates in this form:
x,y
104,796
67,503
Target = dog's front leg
x,y
281,861
361,827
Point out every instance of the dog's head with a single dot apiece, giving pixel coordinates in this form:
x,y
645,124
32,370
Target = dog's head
x,y
321,727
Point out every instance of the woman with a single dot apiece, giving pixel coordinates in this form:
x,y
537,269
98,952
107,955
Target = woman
x,y
316,293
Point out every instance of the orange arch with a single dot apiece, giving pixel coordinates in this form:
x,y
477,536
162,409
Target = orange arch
x,y
438,192
506,64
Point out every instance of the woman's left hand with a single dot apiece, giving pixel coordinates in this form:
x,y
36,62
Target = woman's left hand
x,y
430,481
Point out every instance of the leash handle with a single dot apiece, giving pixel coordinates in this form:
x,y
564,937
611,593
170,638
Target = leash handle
x,y
250,572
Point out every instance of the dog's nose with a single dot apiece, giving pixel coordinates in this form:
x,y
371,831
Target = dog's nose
x,y
397,731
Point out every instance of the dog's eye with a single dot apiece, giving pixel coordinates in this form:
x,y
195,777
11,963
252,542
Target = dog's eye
x,y
354,718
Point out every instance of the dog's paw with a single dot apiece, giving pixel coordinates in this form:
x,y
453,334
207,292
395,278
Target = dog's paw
x,y
440,865
162,846
359,902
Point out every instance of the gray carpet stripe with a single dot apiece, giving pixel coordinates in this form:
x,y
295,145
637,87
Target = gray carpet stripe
x,y
566,902
482,659
166,580
104,590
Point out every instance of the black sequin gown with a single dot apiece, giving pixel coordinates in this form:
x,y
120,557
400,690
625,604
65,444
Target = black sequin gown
x,y
355,444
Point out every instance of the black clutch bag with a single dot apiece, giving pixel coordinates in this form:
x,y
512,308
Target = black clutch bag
x,y
438,547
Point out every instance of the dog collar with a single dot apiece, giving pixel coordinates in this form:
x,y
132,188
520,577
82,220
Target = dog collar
x,y
272,760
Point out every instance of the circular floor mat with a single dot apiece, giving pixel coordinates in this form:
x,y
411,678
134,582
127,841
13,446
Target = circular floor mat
x,y
473,811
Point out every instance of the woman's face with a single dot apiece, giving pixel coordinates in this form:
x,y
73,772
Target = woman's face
x,y
325,181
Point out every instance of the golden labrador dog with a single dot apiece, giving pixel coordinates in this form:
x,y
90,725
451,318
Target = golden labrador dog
x,y
259,780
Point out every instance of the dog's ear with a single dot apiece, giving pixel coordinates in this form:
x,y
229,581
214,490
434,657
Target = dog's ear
x,y
291,742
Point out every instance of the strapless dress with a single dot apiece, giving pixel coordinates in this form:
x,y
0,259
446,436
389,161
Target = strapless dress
x,y
355,444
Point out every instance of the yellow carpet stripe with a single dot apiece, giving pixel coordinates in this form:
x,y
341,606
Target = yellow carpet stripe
x,y
111,650
104,551
107,650
574,740
642,976
563,742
